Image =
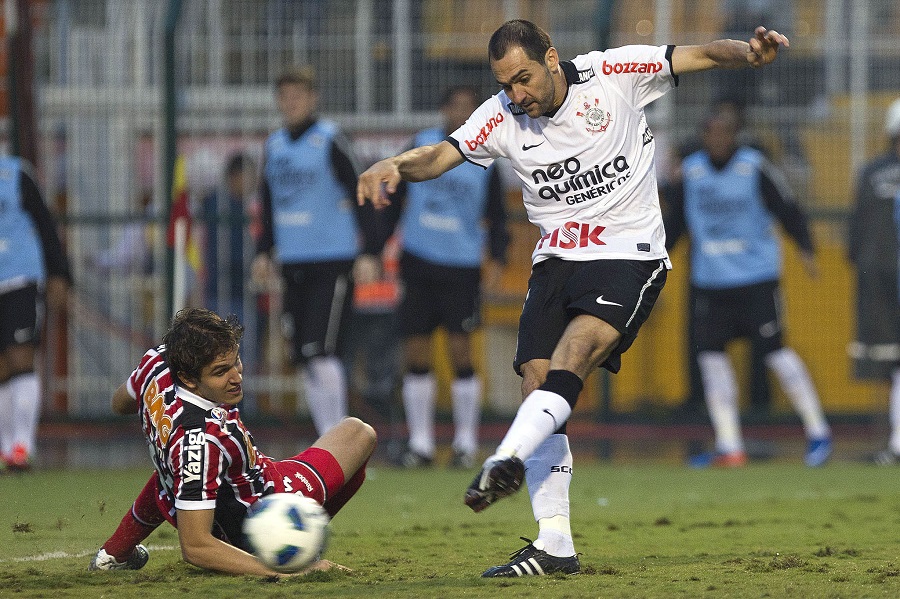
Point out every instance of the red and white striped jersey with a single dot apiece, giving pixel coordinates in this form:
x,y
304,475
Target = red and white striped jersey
x,y
202,451
587,170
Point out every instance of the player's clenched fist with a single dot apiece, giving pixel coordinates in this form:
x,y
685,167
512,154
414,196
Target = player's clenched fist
x,y
377,182
764,46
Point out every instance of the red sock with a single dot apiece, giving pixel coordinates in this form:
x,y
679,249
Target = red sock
x,y
334,504
142,519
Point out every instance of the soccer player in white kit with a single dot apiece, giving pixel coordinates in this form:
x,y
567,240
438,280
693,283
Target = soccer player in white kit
x,y
576,135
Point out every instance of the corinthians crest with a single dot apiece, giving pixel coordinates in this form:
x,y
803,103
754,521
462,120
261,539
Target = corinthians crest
x,y
596,118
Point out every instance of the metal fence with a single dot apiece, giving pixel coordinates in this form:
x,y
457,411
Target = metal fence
x,y
382,65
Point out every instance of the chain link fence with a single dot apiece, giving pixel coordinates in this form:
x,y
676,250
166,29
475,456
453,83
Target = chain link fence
x,y
382,65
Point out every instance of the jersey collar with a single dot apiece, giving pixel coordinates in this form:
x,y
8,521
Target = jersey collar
x,y
195,399
570,72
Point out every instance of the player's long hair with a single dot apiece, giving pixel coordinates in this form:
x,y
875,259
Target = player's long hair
x,y
524,34
196,338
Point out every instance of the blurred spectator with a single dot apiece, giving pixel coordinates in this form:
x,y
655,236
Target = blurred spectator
x,y
373,354
132,254
33,265
872,242
730,199
312,226
227,215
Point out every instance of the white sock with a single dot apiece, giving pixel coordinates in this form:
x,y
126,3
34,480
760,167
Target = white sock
x,y
894,409
548,474
539,416
419,392
7,422
798,386
27,409
720,390
326,391
466,394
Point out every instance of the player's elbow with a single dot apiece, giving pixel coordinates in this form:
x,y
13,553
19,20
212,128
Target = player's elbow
x,y
196,555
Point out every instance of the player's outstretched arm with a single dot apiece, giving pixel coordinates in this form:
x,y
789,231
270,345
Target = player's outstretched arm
x,y
122,402
729,54
418,164
200,548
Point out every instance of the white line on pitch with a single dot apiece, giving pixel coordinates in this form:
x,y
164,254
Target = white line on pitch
x,y
43,557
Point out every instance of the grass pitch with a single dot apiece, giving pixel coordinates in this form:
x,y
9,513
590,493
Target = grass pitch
x,y
774,530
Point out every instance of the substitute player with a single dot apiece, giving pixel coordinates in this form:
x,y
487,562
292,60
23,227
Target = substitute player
x,y
576,135
33,265
730,198
444,240
208,467
312,228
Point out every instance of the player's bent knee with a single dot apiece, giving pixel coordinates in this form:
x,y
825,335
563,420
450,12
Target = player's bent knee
x,y
360,432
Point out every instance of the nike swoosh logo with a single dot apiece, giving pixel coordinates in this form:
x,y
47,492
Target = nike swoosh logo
x,y
525,147
547,412
603,302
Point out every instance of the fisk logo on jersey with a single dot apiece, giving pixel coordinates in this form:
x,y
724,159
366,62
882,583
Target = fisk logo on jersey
x,y
572,235
624,68
567,177
485,132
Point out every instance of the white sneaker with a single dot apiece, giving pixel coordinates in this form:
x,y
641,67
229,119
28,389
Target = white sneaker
x,y
104,561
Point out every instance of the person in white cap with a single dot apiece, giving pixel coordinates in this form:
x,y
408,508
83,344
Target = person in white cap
x,y
873,247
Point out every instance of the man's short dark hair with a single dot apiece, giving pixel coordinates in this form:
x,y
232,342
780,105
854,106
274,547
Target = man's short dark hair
x,y
196,338
524,34
305,75
459,89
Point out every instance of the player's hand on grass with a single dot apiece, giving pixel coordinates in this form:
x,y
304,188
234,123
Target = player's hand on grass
x,y
377,182
324,564
764,46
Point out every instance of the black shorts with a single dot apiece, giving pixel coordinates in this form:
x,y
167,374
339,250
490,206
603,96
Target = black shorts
x,y
876,348
20,321
318,297
751,311
435,295
620,292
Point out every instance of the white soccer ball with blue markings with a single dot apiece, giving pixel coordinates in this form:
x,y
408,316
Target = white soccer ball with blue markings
x,y
287,532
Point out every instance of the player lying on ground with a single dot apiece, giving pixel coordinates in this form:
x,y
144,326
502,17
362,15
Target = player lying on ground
x,y
208,467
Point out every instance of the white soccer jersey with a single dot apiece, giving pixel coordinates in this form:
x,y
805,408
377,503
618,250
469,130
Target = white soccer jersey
x,y
587,172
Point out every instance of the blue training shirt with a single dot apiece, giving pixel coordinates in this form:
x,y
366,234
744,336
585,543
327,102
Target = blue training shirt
x,y
733,240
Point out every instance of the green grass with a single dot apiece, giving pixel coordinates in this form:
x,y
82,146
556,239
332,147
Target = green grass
x,y
775,530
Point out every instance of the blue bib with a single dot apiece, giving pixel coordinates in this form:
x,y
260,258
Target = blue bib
x,y
20,248
733,241
312,217
442,218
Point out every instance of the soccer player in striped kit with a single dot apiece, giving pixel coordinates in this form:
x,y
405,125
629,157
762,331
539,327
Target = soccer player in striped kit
x,y
209,470
33,266
576,136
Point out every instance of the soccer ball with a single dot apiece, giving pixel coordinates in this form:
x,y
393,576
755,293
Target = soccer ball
x,y
287,532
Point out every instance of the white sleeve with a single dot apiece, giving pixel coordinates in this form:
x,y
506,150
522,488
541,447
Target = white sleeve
x,y
642,73
478,139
